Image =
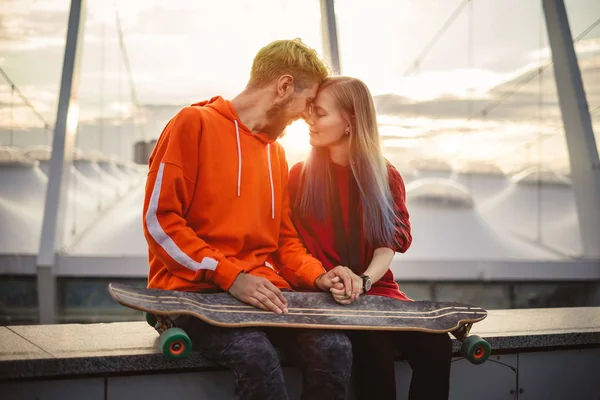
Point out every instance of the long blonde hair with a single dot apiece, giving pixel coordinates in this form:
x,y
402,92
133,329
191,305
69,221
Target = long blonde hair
x,y
366,161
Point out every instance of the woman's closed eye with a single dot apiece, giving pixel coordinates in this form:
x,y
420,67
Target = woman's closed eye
x,y
320,112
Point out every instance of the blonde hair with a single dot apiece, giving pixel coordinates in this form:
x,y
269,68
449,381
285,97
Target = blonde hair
x,y
366,161
291,57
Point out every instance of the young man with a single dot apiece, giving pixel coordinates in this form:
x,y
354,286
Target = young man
x,y
217,217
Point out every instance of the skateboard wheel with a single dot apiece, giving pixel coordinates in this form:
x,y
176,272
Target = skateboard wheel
x,y
150,319
175,344
475,349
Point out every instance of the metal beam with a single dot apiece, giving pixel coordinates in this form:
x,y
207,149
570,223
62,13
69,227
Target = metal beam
x,y
583,153
329,35
63,144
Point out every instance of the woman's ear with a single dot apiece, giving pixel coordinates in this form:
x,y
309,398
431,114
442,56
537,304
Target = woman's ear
x,y
347,131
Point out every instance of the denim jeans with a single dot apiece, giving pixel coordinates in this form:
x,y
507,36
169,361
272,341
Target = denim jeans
x,y
324,356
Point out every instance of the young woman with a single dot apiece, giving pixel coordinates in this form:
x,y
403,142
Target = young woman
x,y
349,208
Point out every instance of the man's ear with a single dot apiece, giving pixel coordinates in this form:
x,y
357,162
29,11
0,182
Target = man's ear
x,y
285,86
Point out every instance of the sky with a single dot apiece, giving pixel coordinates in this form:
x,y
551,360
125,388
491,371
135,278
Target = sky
x,y
185,51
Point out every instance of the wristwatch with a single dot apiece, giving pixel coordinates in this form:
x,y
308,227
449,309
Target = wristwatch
x,y
367,283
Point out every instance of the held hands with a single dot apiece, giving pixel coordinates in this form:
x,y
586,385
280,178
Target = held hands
x,y
344,285
259,292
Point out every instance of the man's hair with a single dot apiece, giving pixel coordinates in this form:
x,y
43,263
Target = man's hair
x,y
291,57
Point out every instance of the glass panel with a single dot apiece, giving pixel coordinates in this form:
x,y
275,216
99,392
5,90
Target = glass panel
x,y
559,294
466,91
486,295
33,34
32,41
88,300
416,290
18,300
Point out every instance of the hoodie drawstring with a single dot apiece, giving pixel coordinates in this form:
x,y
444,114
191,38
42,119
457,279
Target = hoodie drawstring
x,y
239,180
237,134
271,179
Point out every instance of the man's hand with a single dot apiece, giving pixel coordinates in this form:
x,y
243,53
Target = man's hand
x,y
259,292
352,283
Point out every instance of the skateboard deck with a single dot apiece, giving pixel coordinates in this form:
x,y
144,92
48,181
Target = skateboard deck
x,y
306,310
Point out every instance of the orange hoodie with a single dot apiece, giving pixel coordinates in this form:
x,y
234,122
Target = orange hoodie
x,y
217,204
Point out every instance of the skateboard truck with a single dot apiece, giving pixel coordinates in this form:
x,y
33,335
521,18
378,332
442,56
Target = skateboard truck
x,y
173,342
474,348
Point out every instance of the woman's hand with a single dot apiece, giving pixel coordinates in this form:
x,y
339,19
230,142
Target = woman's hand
x,y
352,284
349,288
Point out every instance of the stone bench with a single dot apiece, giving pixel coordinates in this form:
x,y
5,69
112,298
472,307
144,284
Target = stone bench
x,y
66,352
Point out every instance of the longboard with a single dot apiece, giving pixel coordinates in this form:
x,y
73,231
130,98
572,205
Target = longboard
x,y
307,310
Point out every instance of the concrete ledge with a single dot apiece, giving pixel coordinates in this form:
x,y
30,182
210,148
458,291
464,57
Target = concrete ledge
x,y
126,348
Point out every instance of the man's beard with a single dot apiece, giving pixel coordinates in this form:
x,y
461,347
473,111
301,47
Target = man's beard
x,y
277,120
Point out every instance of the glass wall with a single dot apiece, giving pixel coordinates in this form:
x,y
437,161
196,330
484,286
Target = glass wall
x,y
467,107
465,91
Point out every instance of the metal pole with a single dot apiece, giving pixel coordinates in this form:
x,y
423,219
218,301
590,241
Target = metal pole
x,y
63,143
329,34
583,153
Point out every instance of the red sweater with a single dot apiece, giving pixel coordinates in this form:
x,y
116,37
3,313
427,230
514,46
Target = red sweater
x,y
319,236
